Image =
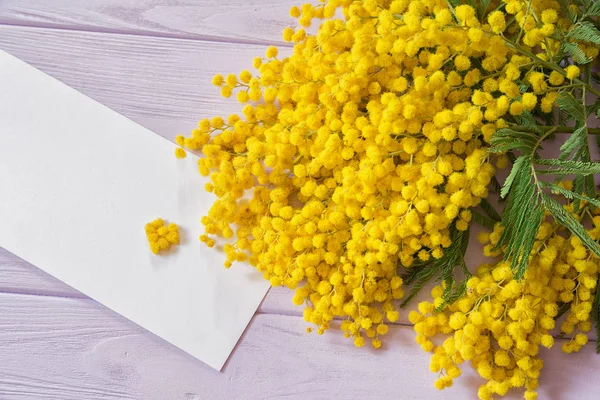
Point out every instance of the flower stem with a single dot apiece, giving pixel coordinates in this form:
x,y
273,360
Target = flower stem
x,y
559,129
546,64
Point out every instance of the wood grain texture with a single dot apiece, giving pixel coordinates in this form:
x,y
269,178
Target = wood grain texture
x,y
73,349
163,84
20,277
251,21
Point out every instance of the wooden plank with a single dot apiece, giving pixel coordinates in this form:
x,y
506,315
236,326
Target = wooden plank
x,y
20,277
250,21
76,349
163,84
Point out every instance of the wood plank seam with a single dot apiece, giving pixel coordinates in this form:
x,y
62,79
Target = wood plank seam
x,y
25,292
146,33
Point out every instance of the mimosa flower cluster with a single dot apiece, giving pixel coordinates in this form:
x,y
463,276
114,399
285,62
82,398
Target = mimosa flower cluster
x,y
500,324
161,236
360,151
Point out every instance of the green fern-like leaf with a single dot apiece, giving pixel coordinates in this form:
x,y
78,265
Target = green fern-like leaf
x,y
517,166
576,52
530,232
490,210
593,10
585,31
594,108
483,220
522,200
566,167
523,87
579,188
417,278
456,256
453,294
564,218
443,268
571,106
506,139
528,120
483,6
571,195
574,142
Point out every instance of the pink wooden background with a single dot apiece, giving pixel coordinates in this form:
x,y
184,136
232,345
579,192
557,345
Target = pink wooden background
x,y
152,60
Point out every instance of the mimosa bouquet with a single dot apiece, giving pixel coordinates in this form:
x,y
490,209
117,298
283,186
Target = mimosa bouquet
x,y
359,162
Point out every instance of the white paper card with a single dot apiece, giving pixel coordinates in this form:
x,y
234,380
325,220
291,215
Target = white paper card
x,y
78,182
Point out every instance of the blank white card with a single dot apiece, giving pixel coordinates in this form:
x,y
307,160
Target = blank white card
x,y
78,182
